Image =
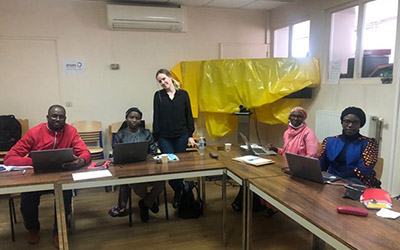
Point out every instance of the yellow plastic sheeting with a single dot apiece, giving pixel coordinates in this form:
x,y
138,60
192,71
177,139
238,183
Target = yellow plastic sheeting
x,y
218,87
219,124
189,81
277,112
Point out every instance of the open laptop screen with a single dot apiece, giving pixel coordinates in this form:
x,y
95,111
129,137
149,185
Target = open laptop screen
x,y
256,150
308,168
45,161
130,152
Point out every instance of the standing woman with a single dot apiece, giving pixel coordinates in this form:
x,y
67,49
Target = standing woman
x,y
173,124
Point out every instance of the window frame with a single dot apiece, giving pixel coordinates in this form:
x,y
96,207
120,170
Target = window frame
x,y
361,4
290,40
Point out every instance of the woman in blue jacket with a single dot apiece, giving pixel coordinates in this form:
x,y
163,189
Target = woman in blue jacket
x,y
351,155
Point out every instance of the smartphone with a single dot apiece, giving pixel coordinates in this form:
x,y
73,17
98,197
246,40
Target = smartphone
x,y
99,164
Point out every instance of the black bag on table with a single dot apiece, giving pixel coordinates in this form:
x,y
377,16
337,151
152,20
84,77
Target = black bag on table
x,y
10,132
189,206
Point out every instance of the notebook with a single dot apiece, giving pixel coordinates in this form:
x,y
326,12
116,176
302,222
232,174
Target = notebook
x,y
255,149
308,168
253,160
45,161
130,152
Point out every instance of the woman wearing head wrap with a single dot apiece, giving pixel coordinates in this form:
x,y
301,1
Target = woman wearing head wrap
x,y
298,138
351,155
131,131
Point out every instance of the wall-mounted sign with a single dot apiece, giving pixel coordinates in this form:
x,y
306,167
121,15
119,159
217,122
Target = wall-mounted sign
x,y
73,66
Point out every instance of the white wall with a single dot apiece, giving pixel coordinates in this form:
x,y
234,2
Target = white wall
x,y
79,29
375,99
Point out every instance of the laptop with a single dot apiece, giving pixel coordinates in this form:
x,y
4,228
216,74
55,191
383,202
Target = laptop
x,y
308,168
46,161
130,152
255,149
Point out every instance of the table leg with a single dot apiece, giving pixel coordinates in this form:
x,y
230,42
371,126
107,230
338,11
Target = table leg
x,y
318,244
244,214
224,236
203,190
249,216
130,205
61,222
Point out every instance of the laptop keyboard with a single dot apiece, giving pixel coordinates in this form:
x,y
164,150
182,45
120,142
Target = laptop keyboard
x,y
262,151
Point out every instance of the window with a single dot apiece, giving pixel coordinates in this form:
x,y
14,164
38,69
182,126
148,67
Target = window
x,y
368,52
281,42
343,39
298,34
300,39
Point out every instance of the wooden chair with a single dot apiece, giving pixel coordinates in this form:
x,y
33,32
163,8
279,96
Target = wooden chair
x,y
91,133
379,168
112,131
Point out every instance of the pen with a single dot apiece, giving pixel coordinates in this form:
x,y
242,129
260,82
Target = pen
x,y
24,171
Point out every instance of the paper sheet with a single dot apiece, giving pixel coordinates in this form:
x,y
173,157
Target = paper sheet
x,y
387,213
335,68
91,175
4,168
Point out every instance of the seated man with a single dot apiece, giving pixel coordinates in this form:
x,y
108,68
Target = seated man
x,y
55,134
131,132
351,155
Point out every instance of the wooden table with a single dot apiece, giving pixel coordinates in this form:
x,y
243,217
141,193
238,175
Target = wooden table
x,y
313,206
242,173
16,182
190,165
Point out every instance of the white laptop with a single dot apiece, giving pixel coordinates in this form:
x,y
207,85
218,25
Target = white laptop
x,y
255,149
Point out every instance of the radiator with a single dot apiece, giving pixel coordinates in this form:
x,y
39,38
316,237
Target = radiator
x,y
327,123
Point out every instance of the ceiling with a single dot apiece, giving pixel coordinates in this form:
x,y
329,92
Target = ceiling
x,y
231,4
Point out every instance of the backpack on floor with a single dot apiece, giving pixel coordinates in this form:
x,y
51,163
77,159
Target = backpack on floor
x,y
189,206
10,132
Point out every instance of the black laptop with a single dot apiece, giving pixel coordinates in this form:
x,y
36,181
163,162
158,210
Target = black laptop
x,y
51,160
130,152
308,168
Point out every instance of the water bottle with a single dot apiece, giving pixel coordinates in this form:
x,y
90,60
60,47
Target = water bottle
x,y
202,146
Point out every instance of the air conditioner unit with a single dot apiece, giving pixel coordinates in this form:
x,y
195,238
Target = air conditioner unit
x,y
129,17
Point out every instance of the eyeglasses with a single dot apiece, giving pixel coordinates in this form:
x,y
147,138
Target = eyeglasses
x,y
354,122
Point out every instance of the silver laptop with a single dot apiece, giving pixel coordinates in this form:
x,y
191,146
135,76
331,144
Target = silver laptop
x,y
256,150
130,152
308,168
45,161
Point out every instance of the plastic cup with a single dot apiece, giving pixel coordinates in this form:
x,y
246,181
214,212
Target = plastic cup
x,y
164,158
228,147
